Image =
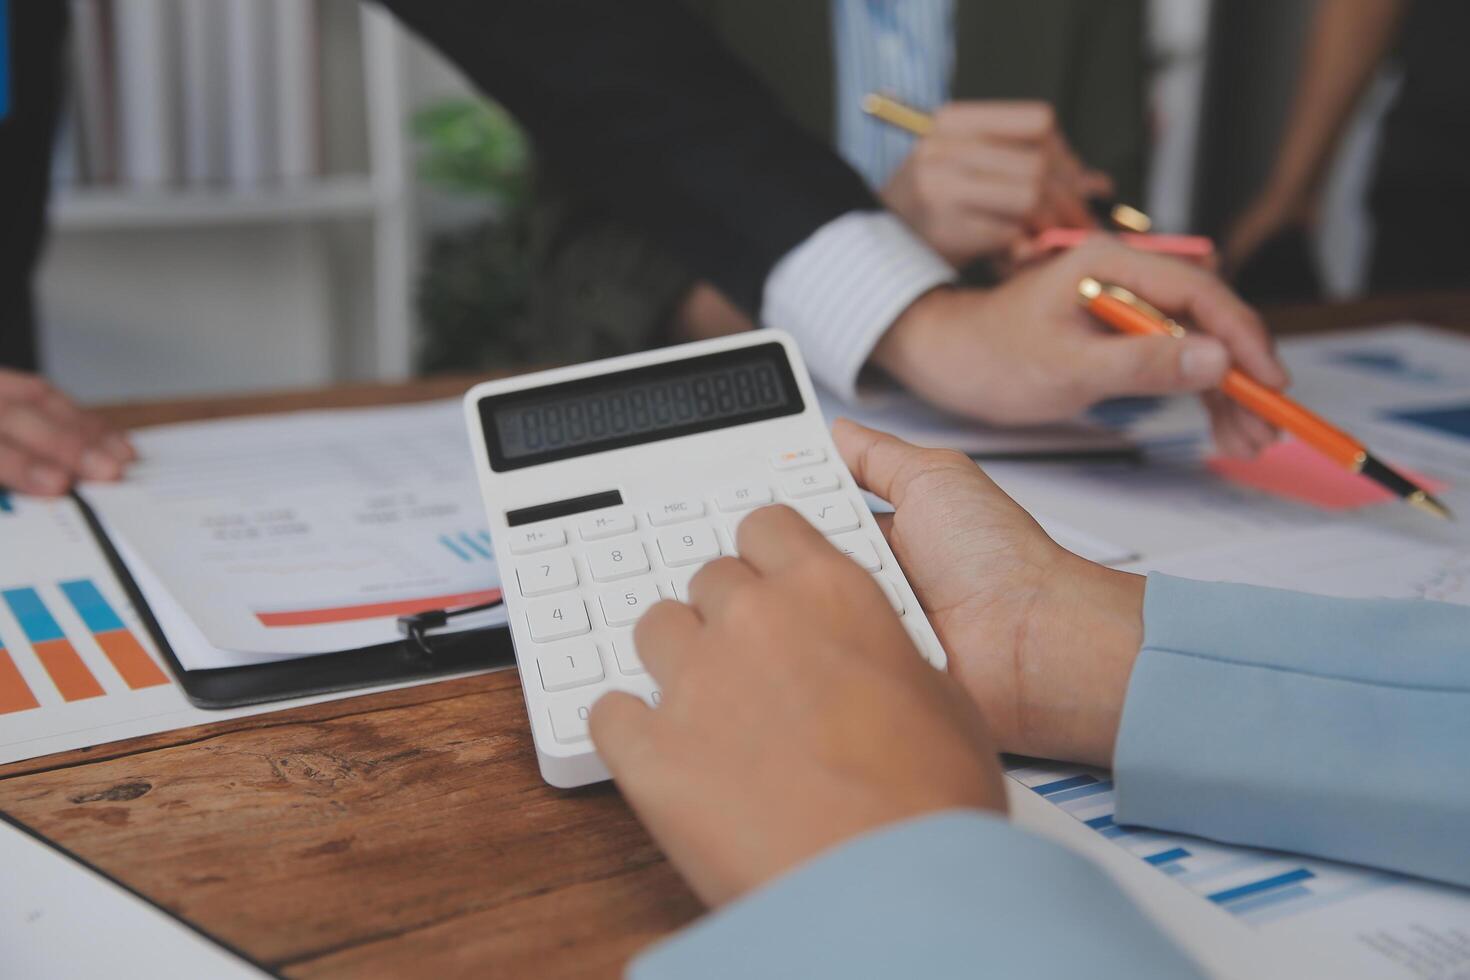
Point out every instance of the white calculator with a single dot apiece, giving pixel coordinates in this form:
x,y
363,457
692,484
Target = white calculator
x,y
609,484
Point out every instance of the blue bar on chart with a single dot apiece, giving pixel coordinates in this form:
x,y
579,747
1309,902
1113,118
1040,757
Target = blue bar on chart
x,y
1257,887
1062,785
468,547
4,58
1095,788
7,506
1164,857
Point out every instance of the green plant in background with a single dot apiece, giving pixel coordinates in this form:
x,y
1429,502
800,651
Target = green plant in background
x,y
473,147
472,294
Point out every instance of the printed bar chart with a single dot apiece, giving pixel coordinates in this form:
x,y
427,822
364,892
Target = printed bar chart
x,y
55,652
1256,886
118,643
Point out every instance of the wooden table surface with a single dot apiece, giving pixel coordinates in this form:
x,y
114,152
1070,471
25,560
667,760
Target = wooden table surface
x,y
403,834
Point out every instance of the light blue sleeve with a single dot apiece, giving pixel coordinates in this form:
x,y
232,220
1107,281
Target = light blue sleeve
x,y
1333,727
955,894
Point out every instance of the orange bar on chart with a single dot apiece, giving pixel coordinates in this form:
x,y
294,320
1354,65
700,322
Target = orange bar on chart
x,y
15,693
133,664
68,673
55,652
131,660
373,610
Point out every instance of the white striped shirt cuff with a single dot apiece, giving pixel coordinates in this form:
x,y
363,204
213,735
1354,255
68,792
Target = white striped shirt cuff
x,y
842,288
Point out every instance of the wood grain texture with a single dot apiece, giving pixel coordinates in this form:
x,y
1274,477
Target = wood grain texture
x,y
401,834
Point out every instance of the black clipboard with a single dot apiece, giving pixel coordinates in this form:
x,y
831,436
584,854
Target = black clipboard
x,y
326,673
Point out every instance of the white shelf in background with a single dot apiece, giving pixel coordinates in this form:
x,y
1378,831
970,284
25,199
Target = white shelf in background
x,y
81,209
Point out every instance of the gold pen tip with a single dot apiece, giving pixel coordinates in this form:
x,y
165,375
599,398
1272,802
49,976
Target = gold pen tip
x,y
1129,217
1429,505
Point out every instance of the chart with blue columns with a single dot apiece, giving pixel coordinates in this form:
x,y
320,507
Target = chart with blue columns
x,y
1260,887
57,653
469,546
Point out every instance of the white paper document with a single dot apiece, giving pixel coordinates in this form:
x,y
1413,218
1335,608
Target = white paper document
x,y
60,920
293,535
900,413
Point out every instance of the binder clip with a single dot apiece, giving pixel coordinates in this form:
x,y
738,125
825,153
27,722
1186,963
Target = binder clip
x,y
415,628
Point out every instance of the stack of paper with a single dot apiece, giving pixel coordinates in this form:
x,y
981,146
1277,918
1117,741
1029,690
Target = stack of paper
x,y
265,539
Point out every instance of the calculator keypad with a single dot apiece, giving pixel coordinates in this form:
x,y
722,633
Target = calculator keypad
x,y
582,632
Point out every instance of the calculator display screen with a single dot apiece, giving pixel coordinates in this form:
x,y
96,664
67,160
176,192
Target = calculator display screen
x,y
640,405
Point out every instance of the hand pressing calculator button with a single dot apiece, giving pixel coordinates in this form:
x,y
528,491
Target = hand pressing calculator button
x,y
608,486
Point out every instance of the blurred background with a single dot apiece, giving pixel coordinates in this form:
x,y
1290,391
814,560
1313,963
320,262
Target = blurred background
x,y
255,194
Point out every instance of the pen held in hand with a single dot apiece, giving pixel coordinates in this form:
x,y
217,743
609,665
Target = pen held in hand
x,y
1122,310
919,123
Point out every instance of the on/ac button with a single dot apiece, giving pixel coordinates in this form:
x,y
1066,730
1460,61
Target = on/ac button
x,y
790,459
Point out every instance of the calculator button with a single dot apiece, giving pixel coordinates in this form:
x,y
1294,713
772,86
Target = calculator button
x,y
680,581
569,718
831,515
527,540
624,605
811,484
569,665
599,526
688,546
790,459
894,599
626,655
557,619
674,511
543,576
743,496
860,550
617,559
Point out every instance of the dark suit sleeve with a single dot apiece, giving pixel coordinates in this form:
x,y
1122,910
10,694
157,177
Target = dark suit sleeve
x,y
634,104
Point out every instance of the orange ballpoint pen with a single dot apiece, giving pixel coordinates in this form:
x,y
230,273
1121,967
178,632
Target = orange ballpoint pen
x,y
1124,311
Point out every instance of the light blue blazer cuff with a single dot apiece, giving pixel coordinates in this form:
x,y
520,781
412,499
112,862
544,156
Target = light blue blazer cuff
x,y
956,894
1333,727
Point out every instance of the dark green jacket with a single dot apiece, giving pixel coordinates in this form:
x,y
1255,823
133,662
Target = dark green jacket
x,y
599,287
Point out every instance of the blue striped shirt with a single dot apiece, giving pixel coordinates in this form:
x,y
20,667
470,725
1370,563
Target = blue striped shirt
x,y
901,48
